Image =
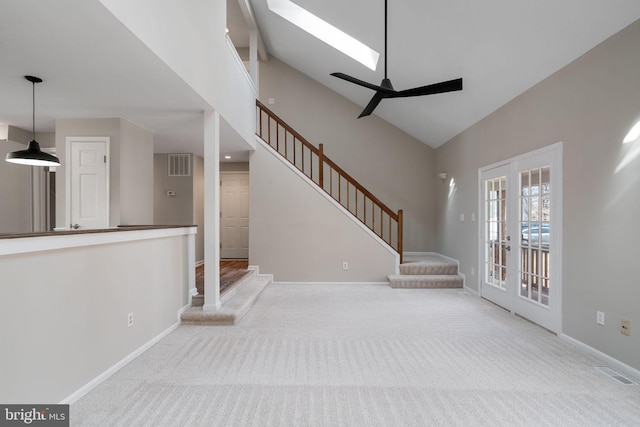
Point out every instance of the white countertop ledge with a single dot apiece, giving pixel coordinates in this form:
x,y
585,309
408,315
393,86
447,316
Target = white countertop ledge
x,y
25,243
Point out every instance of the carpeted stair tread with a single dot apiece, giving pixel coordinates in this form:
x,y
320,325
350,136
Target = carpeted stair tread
x,y
426,281
233,309
429,264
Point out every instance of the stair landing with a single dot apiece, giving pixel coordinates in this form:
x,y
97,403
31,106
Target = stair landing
x,y
429,271
235,303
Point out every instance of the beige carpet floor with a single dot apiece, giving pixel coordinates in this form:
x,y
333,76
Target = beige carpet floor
x,y
363,355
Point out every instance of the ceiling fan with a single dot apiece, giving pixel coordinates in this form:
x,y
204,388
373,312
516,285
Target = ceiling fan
x,y
386,90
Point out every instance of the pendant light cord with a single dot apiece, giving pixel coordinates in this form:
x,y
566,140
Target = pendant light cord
x,y
33,110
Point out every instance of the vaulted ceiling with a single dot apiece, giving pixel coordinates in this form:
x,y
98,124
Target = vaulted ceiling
x,y
501,48
93,66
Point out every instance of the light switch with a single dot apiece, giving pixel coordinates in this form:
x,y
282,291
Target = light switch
x,y
461,217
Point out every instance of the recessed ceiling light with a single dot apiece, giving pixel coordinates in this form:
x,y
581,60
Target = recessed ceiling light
x,y
227,157
326,32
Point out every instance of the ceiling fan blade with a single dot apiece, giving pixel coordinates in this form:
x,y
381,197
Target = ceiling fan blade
x,y
372,104
363,83
448,86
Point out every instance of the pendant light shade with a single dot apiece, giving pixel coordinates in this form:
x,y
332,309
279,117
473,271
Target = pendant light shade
x,y
33,156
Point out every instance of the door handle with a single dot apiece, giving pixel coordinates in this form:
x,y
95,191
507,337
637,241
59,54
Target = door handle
x,y
75,226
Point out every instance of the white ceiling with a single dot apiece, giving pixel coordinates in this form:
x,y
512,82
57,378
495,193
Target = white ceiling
x,y
500,48
92,66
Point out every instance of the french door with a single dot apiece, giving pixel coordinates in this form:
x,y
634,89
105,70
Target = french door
x,y
520,236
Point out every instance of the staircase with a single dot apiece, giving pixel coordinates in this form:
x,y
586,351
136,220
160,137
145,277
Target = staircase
x,y
431,271
326,174
235,303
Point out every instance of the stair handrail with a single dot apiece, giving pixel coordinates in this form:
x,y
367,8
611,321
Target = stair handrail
x,y
281,146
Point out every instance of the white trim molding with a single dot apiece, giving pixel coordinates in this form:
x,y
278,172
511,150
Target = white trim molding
x,y
630,370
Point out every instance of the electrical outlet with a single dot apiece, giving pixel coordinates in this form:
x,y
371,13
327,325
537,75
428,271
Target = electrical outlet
x,y
130,320
345,265
600,318
625,327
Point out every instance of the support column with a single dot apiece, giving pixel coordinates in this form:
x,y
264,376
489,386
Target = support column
x,y
253,56
211,210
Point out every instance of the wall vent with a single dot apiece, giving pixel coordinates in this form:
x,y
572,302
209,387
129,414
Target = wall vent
x,y
179,164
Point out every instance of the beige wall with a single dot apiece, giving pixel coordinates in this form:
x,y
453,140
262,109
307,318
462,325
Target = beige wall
x,y
136,174
198,204
171,210
297,234
187,206
589,105
60,331
234,166
395,167
15,192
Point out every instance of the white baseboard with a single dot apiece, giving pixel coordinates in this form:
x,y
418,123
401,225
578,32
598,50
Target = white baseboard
x,y
73,397
416,253
629,370
471,291
257,270
331,283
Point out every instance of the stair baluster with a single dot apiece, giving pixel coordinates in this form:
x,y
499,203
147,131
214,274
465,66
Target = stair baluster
x,y
352,193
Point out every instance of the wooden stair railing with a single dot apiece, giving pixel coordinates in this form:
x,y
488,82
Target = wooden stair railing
x,y
312,162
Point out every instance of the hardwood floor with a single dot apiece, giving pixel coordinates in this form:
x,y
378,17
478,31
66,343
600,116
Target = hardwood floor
x,y
231,270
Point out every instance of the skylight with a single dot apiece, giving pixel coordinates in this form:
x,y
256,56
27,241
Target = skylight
x,y
326,32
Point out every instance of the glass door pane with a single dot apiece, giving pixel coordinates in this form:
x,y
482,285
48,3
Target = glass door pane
x,y
496,240
534,222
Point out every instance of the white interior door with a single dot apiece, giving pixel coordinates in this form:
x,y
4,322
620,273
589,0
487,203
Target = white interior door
x,y
521,236
234,215
88,182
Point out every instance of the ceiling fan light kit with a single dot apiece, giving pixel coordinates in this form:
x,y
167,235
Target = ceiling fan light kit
x,y
386,90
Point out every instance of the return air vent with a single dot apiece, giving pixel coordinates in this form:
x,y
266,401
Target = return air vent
x,y
616,376
179,164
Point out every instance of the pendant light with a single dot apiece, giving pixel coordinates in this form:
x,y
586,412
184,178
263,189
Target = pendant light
x,y
33,155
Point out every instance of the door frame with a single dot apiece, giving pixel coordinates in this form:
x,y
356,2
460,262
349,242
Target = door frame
x,y
555,152
69,140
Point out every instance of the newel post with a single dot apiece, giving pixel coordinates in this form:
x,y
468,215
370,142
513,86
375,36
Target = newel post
x,y
321,165
400,234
